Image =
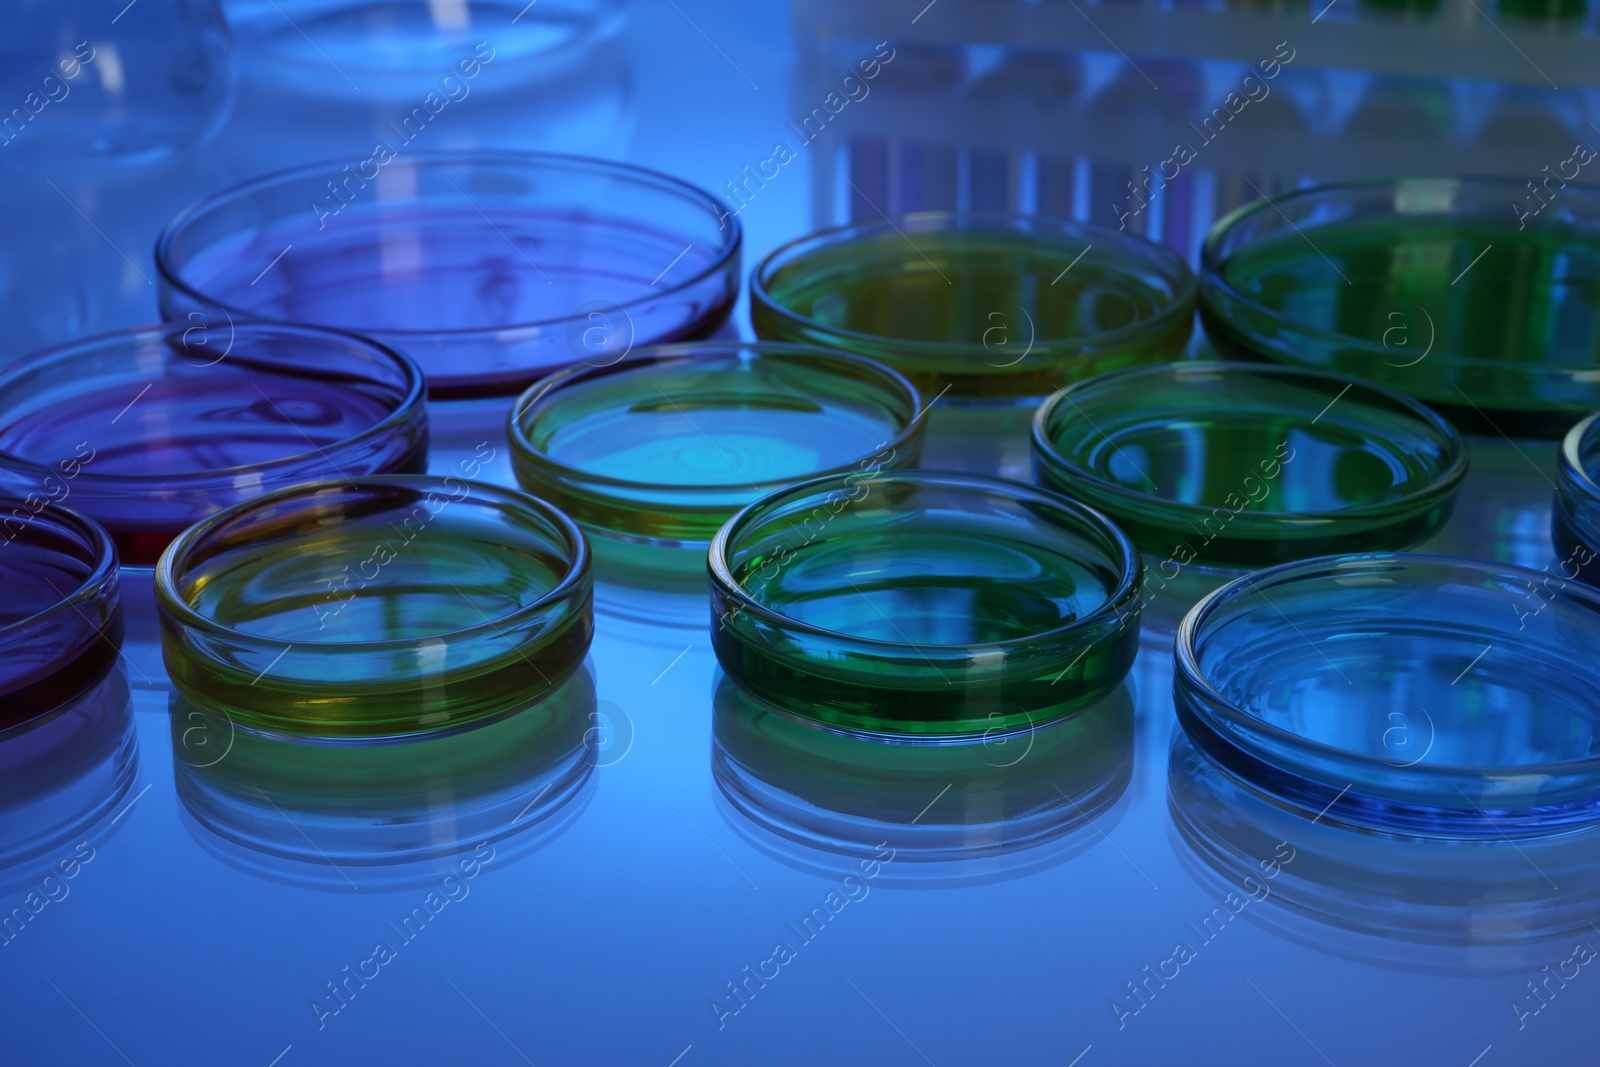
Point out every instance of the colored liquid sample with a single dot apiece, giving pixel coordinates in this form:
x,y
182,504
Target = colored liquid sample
x,y
1377,674
188,420
923,603
668,445
489,270
1250,465
381,271
990,310
955,580
388,608
194,424
60,620
457,578
1497,325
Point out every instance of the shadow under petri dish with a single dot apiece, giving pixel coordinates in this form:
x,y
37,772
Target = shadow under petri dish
x,y
931,814
1433,906
62,777
349,817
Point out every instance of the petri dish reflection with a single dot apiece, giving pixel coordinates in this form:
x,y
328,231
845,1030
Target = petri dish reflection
x,y
1429,905
342,817
63,779
931,814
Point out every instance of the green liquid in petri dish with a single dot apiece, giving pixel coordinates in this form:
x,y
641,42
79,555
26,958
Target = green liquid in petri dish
x,y
1406,302
992,312
1249,464
929,604
964,583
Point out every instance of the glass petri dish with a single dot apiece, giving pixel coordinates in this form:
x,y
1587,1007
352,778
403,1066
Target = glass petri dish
x,y
1434,906
1575,519
1247,464
986,307
1418,694
1472,295
381,608
342,817
996,807
664,446
165,425
924,603
489,269
61,617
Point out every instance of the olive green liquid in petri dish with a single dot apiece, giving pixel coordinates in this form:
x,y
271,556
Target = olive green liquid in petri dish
x,y
1496,326
989,306
396,609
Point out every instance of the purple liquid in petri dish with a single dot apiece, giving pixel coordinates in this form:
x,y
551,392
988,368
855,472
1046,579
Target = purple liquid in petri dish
x,y
60,617
489,270
149,431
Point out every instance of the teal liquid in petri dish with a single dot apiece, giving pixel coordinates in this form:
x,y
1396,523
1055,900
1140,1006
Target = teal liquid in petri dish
x,y
697,438
1381,294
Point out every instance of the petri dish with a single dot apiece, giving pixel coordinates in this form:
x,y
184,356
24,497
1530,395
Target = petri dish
x,y
1476,296
61,620
385,816
663,447
1424,695
924,603
1248,464
170,424
379,608
1432,906
985,307
491,270
996,807
1575,519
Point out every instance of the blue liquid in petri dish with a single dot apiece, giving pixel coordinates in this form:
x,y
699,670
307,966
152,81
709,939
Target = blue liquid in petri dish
x,y
1575,519
1436,693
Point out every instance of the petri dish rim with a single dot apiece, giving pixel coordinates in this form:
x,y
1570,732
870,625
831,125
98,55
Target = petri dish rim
x,y
171,274
103,572
1443,483
1169,264
168,598
1188,671
1571,466
688,351
407,410
1126,589
1211,276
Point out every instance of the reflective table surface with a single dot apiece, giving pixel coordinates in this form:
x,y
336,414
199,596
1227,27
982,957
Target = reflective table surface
x,y
674,884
